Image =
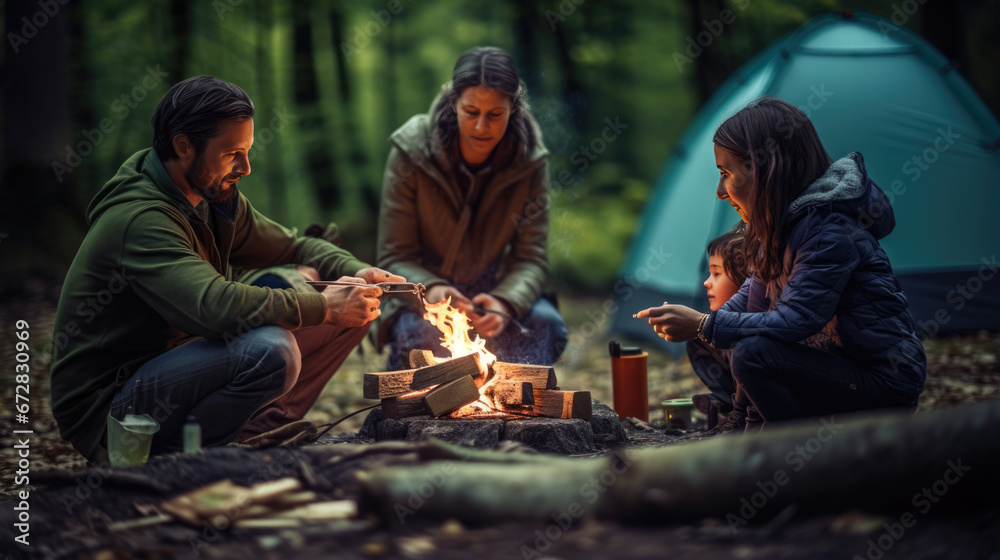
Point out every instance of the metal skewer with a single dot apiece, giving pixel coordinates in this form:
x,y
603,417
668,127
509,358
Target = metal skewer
x,y
387,287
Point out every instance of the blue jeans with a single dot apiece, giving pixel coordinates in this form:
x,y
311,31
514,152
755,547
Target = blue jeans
x,y
787,380
712,367
262,380
220,384
542,345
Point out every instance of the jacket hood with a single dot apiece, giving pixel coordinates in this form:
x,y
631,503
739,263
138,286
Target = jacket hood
x,y
417,140
846,187
131,185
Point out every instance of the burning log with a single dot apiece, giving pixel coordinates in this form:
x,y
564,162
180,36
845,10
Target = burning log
x,y
395,383
511,393
451,396
422,358
404,406
540,377
562,404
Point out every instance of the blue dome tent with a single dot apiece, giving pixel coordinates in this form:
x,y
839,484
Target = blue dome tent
x,y
868,86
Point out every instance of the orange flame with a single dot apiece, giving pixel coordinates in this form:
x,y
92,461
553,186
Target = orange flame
x,y
455,326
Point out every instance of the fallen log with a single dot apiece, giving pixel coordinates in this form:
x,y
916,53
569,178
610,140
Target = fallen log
x,y
394,383
561,404
540,377
451,396
875,462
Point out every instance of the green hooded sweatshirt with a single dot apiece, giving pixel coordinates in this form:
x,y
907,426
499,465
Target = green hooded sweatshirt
x,y
153,272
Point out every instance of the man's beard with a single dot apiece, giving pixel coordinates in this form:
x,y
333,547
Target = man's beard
x,y
212,192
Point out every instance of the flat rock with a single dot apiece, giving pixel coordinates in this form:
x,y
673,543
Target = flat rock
x,y
553,435
606,424
482,434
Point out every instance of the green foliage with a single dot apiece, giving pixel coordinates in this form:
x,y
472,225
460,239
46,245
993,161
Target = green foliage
x,y
365,70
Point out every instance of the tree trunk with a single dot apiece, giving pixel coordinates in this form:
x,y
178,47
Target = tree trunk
x,y
268,155
41,162
710,67
357,157
179,14
311,126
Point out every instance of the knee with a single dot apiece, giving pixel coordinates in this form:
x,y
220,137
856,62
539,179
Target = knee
x,y
546,318
274,352
752,356
548,329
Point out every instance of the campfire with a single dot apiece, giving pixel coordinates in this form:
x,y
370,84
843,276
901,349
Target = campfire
x,y
470,383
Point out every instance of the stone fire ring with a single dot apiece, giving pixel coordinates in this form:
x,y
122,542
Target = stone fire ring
x,y
547,435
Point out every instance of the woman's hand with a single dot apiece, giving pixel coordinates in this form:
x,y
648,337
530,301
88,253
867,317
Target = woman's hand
x,y
675,323
489,325
441,292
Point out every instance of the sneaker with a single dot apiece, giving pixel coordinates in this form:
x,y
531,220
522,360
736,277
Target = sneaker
x,y
736,421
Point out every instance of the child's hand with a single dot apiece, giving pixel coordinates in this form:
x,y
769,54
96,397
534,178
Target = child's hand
x,y
675,323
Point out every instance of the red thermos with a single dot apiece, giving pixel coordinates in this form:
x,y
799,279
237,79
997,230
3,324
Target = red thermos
x,y
628,381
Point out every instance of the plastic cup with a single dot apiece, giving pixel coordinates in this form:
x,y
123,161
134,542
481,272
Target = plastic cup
x,y
677,413
129,440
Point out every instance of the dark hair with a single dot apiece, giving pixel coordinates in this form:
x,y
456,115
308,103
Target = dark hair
x,y
782,154
729,246
493,68
195,108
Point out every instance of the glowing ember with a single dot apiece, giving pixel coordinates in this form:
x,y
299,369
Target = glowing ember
x,y
455,326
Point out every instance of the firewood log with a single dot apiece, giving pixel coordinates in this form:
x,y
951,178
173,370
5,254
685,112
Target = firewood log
x,y
395,383
422,358
511,393
540,377
451,396
404,406
562,404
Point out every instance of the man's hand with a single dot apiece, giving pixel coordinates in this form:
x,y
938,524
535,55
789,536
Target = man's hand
x,y
352,306
675,323
489,325
441,292
375,275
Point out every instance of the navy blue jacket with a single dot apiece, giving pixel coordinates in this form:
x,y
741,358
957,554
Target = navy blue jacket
x,y
838,292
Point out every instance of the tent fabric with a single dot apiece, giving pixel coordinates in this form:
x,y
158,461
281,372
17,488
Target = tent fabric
x,y
869,86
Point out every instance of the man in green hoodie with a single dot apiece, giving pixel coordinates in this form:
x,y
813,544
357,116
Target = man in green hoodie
x,y
150,320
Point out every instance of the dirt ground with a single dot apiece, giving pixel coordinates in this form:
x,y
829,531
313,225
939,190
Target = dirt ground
x,y
961,368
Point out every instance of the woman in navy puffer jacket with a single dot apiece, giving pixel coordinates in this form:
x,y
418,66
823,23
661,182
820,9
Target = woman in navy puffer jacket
x,y
822,326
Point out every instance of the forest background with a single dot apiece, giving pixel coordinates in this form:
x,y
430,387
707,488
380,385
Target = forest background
x,y
332,79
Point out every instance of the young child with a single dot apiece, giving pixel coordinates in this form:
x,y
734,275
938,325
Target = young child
x,y
726,267
727,272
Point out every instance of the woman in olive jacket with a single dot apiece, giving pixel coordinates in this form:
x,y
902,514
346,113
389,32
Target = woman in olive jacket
x,y
465,212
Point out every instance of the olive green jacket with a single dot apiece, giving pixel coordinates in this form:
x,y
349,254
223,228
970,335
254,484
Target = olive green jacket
x,y
433,231
152,273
